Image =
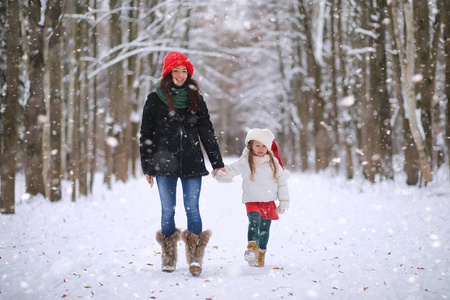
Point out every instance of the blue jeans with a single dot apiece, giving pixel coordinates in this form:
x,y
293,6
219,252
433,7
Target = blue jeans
x,y
167,187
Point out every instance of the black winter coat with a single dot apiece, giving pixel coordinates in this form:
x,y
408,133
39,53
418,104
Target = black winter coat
x,y
169,143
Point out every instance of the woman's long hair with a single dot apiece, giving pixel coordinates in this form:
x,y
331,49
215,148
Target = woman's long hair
x,y
251,162
193,91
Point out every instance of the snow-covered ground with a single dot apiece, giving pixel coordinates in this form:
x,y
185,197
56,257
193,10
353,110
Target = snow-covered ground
x,y
339,240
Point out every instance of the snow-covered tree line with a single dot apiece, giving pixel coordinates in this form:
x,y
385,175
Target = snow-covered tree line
x,y
352,86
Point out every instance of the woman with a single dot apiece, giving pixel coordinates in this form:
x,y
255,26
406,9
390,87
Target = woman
x,y
175,119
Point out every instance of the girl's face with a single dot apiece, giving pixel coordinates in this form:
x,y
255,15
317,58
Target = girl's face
x,y
179,75
259,149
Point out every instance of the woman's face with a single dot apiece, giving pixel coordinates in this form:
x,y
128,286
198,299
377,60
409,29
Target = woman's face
x,y
179,75
259,149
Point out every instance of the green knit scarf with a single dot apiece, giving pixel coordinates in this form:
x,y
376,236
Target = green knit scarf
x,y
180,96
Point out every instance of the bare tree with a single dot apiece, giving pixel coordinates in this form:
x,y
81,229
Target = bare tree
x,y
334,120
3,58
54,59
10,136
93,162
321,138
115,156
132,77
84,137
348,130
381,93
407,73
369,104
423,67
35,107
446,20
75,152
411,164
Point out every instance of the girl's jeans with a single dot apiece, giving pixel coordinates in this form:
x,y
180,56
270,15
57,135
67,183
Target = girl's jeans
x,y
258,229
167,187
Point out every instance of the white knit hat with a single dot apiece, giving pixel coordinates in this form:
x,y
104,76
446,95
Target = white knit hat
x,y
264,136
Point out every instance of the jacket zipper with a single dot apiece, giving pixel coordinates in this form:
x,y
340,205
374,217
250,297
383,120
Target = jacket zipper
x,y
181,150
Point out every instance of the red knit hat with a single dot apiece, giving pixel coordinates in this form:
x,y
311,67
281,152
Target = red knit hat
x,y
176,59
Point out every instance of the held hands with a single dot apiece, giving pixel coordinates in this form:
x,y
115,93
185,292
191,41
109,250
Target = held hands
x,y
283,206
220,169
221,175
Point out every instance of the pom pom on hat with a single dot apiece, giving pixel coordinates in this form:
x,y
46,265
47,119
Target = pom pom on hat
x,y
277,154
176,59
264,136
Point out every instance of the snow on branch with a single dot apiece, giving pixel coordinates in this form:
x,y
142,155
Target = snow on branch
x,y
366,32
361,50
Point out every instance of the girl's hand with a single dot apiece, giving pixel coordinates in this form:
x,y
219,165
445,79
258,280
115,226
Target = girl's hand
x,y
283,206
216,170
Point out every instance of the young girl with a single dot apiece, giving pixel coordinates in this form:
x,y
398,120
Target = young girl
x,y
264,181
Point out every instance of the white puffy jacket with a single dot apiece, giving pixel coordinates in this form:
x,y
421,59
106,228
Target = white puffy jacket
x,y
263,188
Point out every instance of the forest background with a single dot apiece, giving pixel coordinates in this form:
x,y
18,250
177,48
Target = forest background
x,y
357,88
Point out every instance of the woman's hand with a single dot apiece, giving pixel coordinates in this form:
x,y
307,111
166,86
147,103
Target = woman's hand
x,y
216,170
149,179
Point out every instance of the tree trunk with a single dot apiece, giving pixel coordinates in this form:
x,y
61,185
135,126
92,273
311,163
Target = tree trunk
x,y
75,154
423,67
381,93
437,114
334,121
84,137
10,136
117,162
301,98
321,138
407,72
3,63
133,74
54,63
369,110
35,107
446,20
348,109
69,25
93,161
411,164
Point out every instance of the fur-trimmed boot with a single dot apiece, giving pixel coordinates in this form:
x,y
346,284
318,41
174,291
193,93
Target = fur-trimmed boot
x,y
251,255
261,257
169,249
195,249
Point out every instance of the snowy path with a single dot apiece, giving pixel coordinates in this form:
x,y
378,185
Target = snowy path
x,y
339,240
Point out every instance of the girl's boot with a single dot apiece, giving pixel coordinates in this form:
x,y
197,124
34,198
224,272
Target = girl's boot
x,y
261,257
169,249
195,249
251,254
